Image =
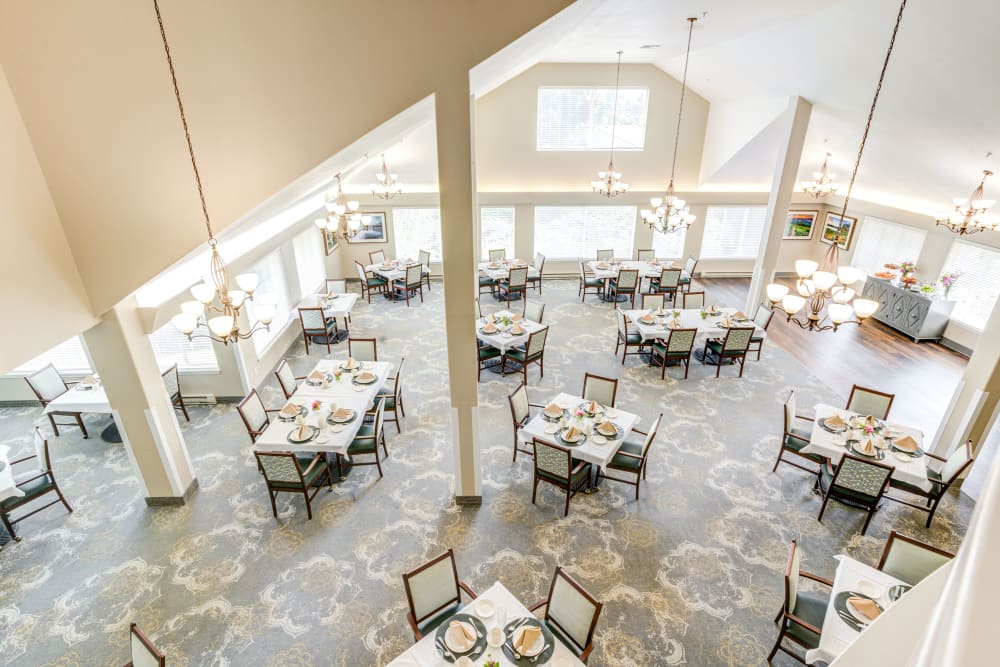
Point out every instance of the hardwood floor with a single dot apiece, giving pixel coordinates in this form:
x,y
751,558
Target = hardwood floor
x,y
922,375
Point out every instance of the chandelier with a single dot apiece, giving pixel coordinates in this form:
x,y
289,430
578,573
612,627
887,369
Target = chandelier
x,y
609,182
971,215
670,214
820,282
388,185
342,216
214,301
822,181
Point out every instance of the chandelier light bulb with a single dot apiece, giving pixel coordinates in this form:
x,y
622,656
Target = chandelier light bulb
x,y
221,325
792,304
805,267
776,292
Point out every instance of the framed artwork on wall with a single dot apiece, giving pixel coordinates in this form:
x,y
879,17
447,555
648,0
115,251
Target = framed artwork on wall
x,y
799,225
838,230
373,232
330,240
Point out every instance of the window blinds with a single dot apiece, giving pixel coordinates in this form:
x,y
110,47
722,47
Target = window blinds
x,y
568,232
308,249
669,246
579,119
733,232
416,229
978,284
881,242
496,230
171,347
68,357
273,289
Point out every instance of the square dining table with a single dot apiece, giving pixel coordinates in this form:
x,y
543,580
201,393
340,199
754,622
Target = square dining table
x,y
500,270
503,339
425,654
390,270
689,318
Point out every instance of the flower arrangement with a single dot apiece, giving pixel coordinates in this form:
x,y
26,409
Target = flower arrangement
x,y
316,404
891,266
948,281
907,267
676,314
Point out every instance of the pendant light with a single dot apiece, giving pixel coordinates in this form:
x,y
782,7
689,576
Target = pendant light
x,y
609,183
970,216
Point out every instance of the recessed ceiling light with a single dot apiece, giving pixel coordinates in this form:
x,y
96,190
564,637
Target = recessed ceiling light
x,y
650,46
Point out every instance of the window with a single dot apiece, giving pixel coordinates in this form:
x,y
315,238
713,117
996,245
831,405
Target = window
x,y
579,119
733,232
568,232
669,246
308,248
171,347
881,241
496,230
68,357
271,289
978,284
417,229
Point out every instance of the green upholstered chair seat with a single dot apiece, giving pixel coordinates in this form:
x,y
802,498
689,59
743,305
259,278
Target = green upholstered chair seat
x,y
485,280
910,488
684,280
431,624
488,352
304,461
631,338
660,350
32,489
362,445
796,445
584,471
843,491
390,401
811,608
756,339
519,355
563,639
934,476
593,282
376,281
715,346
627,462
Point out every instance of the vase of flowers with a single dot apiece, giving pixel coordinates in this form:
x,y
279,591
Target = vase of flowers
x,y
948,281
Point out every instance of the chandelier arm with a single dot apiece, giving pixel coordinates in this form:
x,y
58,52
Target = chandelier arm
x,y
680,107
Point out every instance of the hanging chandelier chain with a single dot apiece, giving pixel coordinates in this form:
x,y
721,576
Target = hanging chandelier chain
x,y
614,109
680,108
187,133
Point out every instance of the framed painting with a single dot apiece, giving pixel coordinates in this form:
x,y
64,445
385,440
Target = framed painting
x,y
799,225
373,232
330,240
838,230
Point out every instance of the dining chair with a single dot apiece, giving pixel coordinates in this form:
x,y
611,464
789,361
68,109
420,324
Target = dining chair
x,y
600,389
555,465
627,337
626,282
589,283
35,484
865,401
606,255
486,353
315,323
733,346
571,614
143,651
254,415
369,437
761,318
287,379
802,613
520,412
667,283
677,347
632,456
370,282
433,593
539,266
652,301
533,311
953,466
646,255
497,254
288,472
376,257
47,384
861,482
394,399
515,283
794,438
363,349
411,284
693,300
911,560
425,266
172,383
335,285
689,267
533,353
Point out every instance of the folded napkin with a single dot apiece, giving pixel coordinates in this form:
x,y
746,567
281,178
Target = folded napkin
x,y
529,635
490,317
836,421
302,432
906,443
572,433
365,375
317,375
711,310
490,328
516,317
517,329
647,318
482,274
290,409
553,410
351,363
602,265
463,636
738,315
725,321
674,324
660,311
865,607
607,428
593,407
867,447
343,413
493,265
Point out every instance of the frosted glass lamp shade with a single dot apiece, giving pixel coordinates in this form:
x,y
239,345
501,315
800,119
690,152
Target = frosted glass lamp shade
x,y
824,279
193,307
248,282
850,274
843,294
805,288
776,292
320,222
185,322
805,267
655,202
237,297
792,304
264,313
221,326
865,308
203,292
840,312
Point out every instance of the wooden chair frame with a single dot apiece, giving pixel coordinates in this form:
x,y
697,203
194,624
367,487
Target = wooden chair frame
x,y
148,643
645,255
370,283
656,285
373,341
378,436
685,284
397,396
253,395
758,341
508,287
406,287
537,358
277,373
591,283
329,330
539,267
640,474
672,354
613,286
567,485
932,498
490,353
77,416
536,305
874,392
14,503
739,356
693,296
614,389
787,420
425,262
583,652
519,424
606,255
459,587
376,257
621,337
873,507
785,617
319,460
176,399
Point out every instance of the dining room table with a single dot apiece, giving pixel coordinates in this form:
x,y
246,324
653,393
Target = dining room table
x,y
505,612
334,306
709,324
88,397
504,338
607,271
595,448
392,270
843,624
499,270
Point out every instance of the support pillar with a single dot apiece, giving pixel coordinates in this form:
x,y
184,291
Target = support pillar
x,y
795,123
122,353
456,177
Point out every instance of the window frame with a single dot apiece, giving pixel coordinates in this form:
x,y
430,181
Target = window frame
x,y
510,248
549,255
182,369
957,242
738,257
71,372
617,126
416,251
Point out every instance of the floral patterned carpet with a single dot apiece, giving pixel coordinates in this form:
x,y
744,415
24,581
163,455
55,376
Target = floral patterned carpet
x,y
691,574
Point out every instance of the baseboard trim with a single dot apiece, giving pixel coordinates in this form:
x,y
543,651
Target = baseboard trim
x,y
956,347
473,501
161,501
18,404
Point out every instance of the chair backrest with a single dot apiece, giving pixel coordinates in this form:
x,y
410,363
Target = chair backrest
x,y
172,381
376,256
690,265
681,340
652,301
379,414
737,340
669,278
144,652
362,274
539,262
286,378
861,476
363,349
519,409
763,316
622,322
497,254
605,255
280,467
425,259
694,299
536,343
551,459
600,389
47,383
572,610
583,270
252,411
646,255
792,569
517,277
398,381
432,586
479,308
911,560
414,274
651,435
956,463
872,402
627,280
790,411
312,319
534,311
337,285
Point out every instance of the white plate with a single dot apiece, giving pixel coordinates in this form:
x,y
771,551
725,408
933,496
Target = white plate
x,y
360,389
610,413
869,588
535,649
323,439
343,421
449,639
902,457
552,429
485,608
337,428
599,439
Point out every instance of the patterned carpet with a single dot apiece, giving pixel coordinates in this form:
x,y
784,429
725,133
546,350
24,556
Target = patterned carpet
x,y
690,574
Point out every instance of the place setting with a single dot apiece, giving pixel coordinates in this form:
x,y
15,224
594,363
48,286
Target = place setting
x,y
858,609
461,640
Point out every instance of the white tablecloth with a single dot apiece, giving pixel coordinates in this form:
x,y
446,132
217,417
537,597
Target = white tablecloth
x,y
646,269
78,399
504,341
338,306
599,455
837,635
397,270
690,319
424,654
831,445
500,270
7,487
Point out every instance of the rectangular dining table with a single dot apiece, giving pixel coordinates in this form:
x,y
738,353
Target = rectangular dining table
x,y
394,270
87,399
503,340
334,305
424,653
608,270
690,318
500,270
